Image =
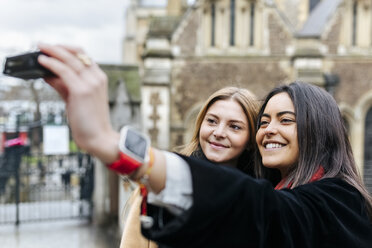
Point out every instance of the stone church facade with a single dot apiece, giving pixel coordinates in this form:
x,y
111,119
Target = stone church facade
x,y
186,52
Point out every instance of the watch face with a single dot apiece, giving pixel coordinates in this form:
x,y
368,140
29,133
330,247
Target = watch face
x,y
136,143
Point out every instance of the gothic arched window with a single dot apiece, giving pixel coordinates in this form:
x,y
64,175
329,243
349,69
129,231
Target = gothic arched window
x,y
251,21
232,22
312,4
213,24
354,24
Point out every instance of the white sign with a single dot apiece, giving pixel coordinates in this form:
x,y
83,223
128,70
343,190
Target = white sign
x,y
56,140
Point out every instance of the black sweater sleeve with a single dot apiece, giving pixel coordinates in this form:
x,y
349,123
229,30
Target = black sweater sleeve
x,y
232,209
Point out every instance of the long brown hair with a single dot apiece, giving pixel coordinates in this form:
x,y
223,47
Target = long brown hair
x,y
250,107
322,139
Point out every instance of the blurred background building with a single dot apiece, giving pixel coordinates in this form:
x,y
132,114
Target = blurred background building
x,y
39,186
184,53
175,54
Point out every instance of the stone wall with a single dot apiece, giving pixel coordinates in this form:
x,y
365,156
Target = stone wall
x,y
279,38
355,80
194,81
332,39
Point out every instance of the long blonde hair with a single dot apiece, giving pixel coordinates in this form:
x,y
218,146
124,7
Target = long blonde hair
x,y
250,106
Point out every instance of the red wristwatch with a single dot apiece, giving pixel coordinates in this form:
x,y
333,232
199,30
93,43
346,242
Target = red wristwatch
x,y
134,149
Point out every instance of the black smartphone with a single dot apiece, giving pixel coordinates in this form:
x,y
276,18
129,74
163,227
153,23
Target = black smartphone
x,y
25,66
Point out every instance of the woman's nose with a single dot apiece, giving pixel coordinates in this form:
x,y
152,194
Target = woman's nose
x,y
219,131
271,129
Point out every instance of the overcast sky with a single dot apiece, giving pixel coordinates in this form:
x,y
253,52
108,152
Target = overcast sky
x,y
96,25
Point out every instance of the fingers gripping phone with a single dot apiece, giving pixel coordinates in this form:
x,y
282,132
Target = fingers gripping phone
x,y
25,66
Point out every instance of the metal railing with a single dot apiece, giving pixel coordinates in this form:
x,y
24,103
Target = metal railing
x,y
35,187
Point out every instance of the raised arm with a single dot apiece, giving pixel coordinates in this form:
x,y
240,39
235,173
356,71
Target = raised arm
x,y
83,86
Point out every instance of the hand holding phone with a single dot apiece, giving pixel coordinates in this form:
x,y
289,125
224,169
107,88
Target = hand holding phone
x,y
25,66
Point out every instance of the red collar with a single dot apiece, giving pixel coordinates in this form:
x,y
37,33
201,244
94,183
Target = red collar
x,y
317,175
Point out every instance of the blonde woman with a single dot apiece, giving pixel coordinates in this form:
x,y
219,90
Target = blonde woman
x,y
224,134
224,131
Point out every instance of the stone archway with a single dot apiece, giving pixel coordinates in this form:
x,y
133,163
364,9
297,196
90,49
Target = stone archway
x,y
367,175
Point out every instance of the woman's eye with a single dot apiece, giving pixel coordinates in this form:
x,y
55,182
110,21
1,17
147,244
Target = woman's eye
x,y
211,121
286,120
264,123
235,127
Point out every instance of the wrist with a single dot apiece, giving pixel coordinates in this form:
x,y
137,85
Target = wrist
x,y
106,148
132,153
143,172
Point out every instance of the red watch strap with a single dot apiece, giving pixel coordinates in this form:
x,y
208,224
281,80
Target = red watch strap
x,y
125,164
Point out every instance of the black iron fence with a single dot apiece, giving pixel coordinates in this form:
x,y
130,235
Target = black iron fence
x,y
35,187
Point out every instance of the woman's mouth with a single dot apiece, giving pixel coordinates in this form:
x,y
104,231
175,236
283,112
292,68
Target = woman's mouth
x,y
217,145
273,145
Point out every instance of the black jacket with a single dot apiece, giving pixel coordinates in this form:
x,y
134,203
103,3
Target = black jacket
x,y
232,209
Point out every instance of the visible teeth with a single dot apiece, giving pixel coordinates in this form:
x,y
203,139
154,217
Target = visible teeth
x,y
273,145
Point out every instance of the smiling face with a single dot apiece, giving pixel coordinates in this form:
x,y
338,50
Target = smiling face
x,y
277,135
224,132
